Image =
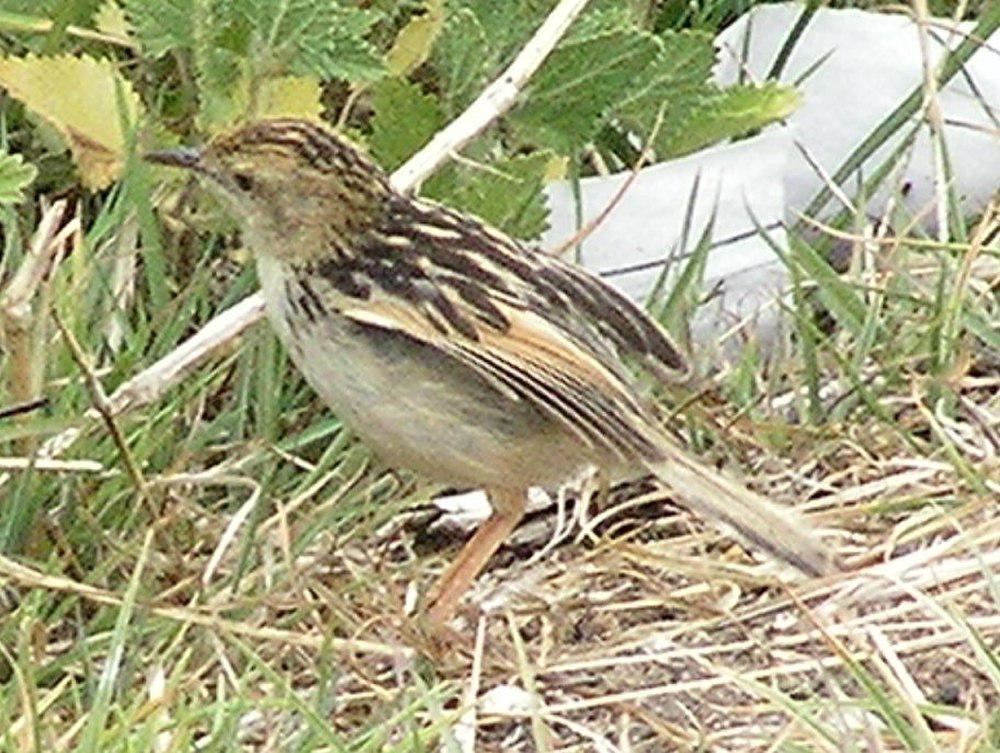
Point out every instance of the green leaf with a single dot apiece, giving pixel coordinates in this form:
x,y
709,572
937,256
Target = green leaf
x,y
565,103
726,114
221,65
15,176
677,80
110,19
324,38
462,60
478,38
405,118
683,66
239,47
507,193
85,100
416,39
507,24
839,297
696,113
290,97
162,25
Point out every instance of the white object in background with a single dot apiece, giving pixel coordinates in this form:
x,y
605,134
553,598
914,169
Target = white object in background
x,y
865,65
730,190
466,511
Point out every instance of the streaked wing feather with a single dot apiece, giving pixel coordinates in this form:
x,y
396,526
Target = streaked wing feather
x,y
541,330
525,386
483,267
535,363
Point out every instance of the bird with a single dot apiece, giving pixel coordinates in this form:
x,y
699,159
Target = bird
x,y
457,352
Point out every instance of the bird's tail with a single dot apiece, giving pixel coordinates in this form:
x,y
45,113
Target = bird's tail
x,y
776,530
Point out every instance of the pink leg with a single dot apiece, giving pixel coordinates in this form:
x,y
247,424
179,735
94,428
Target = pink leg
x,y
508,510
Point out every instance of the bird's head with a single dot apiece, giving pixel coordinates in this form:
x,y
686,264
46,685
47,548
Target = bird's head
x,y
294,185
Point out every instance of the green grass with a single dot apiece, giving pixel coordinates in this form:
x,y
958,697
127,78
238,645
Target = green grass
x,y
248,592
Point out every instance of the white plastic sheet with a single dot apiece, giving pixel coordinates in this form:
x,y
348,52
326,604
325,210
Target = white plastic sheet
x,y
864,64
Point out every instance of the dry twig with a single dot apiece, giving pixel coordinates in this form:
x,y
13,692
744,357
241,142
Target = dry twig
x,y
103,408
29,578
18,323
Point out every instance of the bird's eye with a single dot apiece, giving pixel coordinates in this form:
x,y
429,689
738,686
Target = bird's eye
x,y
243,181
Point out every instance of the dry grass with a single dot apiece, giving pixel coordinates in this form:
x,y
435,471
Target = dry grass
x,y
248,580
619,623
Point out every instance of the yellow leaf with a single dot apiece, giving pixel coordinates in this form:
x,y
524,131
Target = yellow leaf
x,y
414,42
280,97
79,97
555,168
110,20
290,97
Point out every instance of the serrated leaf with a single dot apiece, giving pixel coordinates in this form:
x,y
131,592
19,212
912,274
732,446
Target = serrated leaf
x,y
323,38
507,24
15,176
81,98
555,168
478,38
695,112
507,194
405,118
162,25
110,19
258,44
675,79
726,114
587,72
222,66
462,60
414,42
284,96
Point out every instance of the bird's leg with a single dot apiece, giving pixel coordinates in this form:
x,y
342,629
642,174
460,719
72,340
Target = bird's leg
x,y
508,509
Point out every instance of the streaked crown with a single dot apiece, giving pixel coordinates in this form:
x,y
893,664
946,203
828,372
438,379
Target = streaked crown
x,y
296,146
293,184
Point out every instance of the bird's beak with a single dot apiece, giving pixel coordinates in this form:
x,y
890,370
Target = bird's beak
x,y
182,156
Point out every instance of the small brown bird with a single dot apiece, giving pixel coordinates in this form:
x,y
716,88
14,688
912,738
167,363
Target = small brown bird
x,y
454,350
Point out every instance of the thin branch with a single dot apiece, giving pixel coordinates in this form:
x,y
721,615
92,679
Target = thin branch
x,y
22,408
150,383
495,100
103,407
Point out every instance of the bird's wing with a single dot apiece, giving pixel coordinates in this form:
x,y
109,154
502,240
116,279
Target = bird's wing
x,y
543,330
482,266
547,333
531,361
